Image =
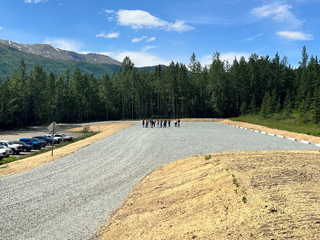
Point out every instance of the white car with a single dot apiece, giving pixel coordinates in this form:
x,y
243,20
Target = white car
x,y
61,139
64,137
16,148
8,150
3,153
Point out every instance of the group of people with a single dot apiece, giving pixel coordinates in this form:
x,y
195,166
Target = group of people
x,y
160,124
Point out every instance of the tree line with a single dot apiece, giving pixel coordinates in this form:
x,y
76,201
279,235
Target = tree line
x,y
259,85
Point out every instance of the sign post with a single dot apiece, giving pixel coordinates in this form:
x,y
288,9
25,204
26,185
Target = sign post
x,y
53,128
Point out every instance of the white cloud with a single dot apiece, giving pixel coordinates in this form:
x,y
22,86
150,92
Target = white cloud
x,y
138,19
140,59
279,13
109,35
179,26
299,36
230,56
105,53
151,39
109,11
1,28
254,37
35,1
146,48
139,39
65,44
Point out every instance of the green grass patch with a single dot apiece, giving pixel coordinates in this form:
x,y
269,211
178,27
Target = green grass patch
x,y
7,160
290,123
12,159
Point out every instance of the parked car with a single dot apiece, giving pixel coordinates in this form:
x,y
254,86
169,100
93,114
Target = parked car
x,y
25,147
16,148
64,137
3,153
8,150
47,139
35,145
42,142
56,138
59,137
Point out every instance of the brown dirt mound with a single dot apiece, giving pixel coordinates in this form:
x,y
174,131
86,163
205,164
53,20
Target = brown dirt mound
x,y
276,198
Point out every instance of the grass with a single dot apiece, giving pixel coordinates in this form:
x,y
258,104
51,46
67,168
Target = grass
x,y
207,157
244,199
7,160
12,159
290,123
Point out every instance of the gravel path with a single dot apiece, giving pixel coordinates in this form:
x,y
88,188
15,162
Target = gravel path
x,y
72,197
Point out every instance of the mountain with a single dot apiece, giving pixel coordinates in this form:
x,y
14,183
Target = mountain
x,y
10,59
48,51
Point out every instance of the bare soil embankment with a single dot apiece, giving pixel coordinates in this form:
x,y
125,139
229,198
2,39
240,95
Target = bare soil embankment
x,y
105,129
234,195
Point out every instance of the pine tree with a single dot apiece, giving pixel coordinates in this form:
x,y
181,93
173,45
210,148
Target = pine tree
x,y
243,108
315,107
253,105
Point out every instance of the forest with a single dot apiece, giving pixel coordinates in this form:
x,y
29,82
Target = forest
x,y
260,85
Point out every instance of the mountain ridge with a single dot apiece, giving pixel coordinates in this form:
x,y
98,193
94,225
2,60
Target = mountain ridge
x,y
48,51
10,59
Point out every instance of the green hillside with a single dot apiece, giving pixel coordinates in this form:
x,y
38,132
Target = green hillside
x,y
10,59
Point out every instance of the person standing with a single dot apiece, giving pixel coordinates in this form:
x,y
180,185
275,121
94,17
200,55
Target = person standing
x,y
161,123
169,123
143,123
158,123
178,122
175,122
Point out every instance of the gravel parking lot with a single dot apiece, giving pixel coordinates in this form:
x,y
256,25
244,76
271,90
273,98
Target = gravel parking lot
x,y
39,131
73,196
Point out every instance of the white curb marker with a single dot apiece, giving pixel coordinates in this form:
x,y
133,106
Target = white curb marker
x,y
292,139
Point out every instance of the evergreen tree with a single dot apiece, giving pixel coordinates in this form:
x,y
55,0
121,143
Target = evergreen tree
x,y
315,107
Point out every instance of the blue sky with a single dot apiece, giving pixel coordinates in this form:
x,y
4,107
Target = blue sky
x,y
157,32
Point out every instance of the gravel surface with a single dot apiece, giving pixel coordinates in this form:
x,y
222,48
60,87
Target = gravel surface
x,y
73,196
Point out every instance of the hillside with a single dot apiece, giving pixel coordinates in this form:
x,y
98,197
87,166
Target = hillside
x,y
48,51
10,59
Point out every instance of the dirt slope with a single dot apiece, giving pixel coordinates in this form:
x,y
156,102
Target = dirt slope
x,y
196,198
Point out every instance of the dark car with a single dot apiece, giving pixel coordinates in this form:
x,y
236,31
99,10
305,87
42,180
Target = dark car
x,y
47,139
55,140
35,145
25,147
42,142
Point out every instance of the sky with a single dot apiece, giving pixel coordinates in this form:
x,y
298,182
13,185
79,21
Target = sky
x,y
158,32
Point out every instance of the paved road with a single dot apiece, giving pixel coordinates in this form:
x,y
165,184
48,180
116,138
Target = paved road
x,y
72,197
